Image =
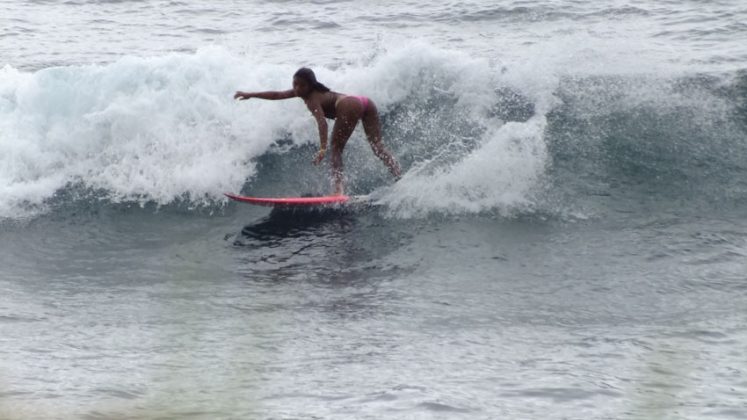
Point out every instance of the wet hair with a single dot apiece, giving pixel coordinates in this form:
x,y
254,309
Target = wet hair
x,y
308,75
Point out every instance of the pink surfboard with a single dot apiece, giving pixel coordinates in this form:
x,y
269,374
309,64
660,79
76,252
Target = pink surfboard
x,y
293,201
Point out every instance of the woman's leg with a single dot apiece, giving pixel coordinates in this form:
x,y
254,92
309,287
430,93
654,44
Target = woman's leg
x,y
348,111
372,127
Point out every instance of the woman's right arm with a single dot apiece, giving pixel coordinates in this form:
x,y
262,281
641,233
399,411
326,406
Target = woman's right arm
x,y
271,95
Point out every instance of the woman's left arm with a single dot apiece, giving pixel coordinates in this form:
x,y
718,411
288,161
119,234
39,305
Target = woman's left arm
x,y
316,110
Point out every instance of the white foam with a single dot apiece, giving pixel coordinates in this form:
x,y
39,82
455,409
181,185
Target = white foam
x,y
157,129
503,171
498,175
166,129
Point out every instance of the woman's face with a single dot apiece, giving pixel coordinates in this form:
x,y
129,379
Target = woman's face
x,y
301,87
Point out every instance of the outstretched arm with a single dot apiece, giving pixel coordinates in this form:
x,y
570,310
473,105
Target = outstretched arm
x,y
271,95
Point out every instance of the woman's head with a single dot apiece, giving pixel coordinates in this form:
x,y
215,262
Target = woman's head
x,y
304,82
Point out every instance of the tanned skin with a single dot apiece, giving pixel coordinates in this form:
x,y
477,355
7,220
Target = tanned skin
x,y
346,111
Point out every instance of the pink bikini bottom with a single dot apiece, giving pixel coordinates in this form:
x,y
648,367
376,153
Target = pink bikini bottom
x,y
363,100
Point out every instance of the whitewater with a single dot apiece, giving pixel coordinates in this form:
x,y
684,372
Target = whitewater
x,y
568,239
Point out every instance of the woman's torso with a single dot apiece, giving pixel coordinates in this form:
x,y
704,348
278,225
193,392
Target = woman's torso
x,y
329,101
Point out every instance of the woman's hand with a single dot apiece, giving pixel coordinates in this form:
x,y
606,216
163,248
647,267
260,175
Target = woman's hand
x,y
320,156
242,96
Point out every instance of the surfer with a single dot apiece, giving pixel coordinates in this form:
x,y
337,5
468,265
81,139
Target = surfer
x,y
346,110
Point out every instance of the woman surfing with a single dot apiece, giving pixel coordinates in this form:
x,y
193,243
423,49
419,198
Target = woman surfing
x,y
346,110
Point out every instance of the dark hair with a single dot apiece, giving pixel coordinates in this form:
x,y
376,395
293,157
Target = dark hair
x,y
308,75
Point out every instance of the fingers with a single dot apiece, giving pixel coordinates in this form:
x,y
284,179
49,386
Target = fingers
x,y
240,96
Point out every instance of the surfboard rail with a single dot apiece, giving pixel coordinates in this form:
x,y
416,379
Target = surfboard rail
x,y
290,201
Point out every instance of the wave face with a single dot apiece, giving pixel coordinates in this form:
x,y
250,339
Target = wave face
x,y
473,136
681,138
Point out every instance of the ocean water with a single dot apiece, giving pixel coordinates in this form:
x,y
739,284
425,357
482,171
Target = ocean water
x,y
568,241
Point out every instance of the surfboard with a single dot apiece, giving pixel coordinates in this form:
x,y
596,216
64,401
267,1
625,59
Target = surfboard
x,y
328,200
